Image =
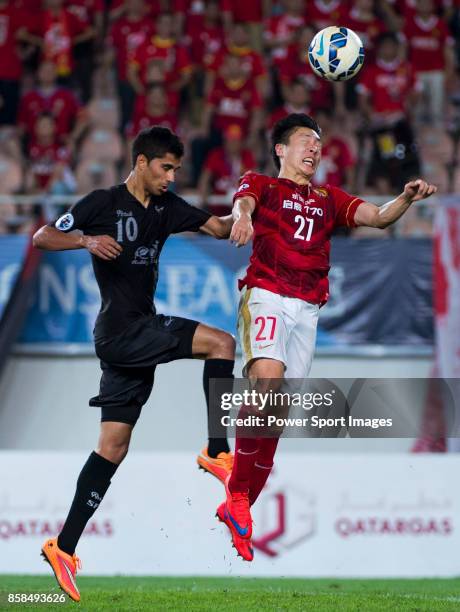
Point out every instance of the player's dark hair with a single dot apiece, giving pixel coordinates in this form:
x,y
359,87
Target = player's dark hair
x,y
156,141
283,129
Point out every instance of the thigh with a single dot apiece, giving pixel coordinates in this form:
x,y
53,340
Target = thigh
x,y
123,392
265,321
302,342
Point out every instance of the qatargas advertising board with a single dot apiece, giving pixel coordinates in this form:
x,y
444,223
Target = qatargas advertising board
x,y
320,516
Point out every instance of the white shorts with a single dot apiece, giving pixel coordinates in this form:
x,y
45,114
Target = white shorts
x,y
273,326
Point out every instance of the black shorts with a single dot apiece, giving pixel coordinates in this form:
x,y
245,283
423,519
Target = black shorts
x,y
128,362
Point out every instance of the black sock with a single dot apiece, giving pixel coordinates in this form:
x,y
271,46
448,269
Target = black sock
x,y
92,484
217,368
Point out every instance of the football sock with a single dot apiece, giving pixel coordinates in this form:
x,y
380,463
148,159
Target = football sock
x,y
262,467
217,368
92,484
243,464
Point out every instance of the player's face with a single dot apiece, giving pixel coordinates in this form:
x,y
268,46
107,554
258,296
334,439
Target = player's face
x,y
301,155
160,173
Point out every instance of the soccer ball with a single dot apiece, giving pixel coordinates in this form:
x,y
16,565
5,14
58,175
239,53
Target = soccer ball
x,y
336,53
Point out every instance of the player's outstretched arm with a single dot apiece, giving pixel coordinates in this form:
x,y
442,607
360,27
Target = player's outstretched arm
x,y
51,239
242,229
370,215
218,227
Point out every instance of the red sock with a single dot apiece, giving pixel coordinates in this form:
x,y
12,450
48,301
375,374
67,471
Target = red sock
x,y
262,467
243,465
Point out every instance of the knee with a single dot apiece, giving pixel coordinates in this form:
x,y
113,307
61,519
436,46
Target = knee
x,y
114,450
223,346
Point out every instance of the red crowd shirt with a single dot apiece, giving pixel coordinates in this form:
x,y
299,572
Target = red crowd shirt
x,y
58,33
205,44
233,103
324,15
244,10
174,58
252,63
142,119
280,27
226,172
292,229
296,68
153,7
43,160
426,41
125,37
284,111
10,23
388,84
336,157
62,104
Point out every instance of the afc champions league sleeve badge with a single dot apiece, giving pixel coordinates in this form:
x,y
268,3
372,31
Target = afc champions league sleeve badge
x,y
65,222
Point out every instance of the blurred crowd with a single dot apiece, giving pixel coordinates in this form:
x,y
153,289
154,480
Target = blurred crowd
x,y
79,78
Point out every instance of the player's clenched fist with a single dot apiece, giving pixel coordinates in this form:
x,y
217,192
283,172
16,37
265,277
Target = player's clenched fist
x,y
242,230
104,247
418,190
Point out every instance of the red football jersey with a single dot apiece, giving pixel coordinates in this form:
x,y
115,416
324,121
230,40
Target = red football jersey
x,y
85,9
292,230
142,119
125,37
252,63
284,111
368,31
205,43
233,103
173,57
61,103
10,23
426,41
388,84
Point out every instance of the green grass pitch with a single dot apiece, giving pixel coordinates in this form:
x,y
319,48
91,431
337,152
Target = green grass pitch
x,y
241,594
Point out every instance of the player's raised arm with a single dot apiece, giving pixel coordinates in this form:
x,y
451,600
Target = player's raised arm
x,y
242,229
370,215
49,238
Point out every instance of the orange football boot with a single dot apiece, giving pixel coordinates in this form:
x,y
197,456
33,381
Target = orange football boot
x,y
64,567
220,467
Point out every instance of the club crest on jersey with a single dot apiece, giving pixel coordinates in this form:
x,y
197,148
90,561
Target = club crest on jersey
x,y
321,192
65,222
243,186
144,256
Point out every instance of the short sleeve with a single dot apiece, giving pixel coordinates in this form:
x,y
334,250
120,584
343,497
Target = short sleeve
x,y
83,213
345,206
184,217
250,185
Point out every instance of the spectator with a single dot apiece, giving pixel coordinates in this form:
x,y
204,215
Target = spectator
x,y
431,55
91,13
59,102
10,67
281,29
126,34
223,168
362,19
337,160
56,31
251,13
386,92
152,109
297,100
234,99
252,64
296,68
49,162
153,9
162,48
205,33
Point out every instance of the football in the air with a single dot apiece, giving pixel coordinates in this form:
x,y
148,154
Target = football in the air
x,y
336,53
